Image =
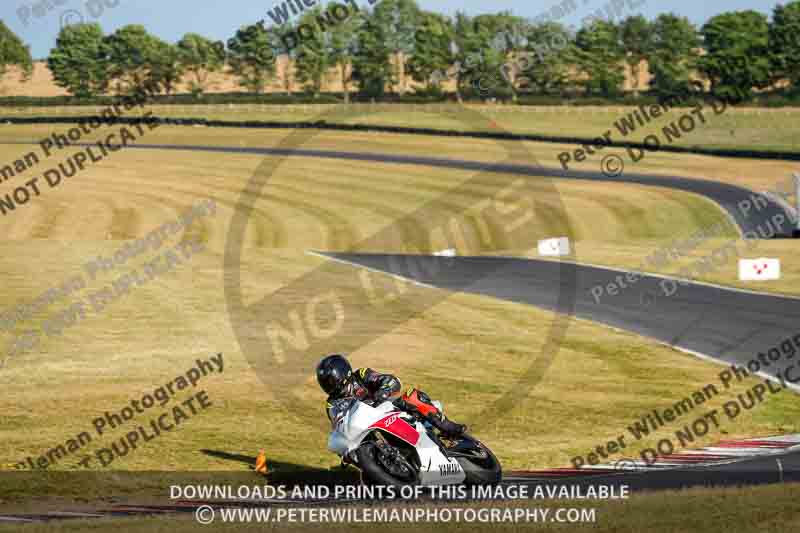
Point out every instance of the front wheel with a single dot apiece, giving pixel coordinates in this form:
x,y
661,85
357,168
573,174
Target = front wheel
x,y
481,466
383,464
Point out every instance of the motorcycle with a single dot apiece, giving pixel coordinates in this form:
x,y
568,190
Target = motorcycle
x,y
396,448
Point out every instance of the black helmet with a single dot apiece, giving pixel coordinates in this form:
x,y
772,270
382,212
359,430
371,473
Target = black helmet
x,y
332,373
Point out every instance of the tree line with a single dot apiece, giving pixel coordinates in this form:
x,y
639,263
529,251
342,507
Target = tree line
x,y
379,50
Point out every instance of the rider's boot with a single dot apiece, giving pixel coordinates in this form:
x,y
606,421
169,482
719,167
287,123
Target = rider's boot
x,y
414,400
445,425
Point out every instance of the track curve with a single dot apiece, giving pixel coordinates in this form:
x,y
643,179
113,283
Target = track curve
x,y
728,325
752,223
725,324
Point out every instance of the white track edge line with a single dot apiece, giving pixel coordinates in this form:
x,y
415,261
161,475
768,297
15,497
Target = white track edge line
x,y
375,270
689,351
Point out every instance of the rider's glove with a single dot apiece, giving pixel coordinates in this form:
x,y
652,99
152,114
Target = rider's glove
x,y
403,405
381,397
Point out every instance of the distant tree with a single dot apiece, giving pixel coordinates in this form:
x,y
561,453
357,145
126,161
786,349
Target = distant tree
x,y
200,57
737,58
344,44
14,52
398,21
77,62
433,55
784,43
141,63
599,54
372,67
506,34
315,54
547,57
167,67
251,57
483,46
464,48
673,57
637,42
282,45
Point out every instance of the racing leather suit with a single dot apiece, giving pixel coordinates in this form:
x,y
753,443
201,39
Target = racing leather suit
x,y
366,384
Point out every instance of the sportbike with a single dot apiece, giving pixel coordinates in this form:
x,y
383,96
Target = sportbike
x,y
396,448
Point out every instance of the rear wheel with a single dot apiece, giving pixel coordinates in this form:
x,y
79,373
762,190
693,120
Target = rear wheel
x,y
383,464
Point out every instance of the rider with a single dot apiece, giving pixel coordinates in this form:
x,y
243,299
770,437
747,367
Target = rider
x,y
339,381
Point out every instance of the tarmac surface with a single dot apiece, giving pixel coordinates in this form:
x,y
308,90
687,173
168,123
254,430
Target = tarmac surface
x,y
728,325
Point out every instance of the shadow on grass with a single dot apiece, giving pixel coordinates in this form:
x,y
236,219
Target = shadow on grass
x,y
291,474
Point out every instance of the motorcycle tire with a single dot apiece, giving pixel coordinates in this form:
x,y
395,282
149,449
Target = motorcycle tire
x,y
373,473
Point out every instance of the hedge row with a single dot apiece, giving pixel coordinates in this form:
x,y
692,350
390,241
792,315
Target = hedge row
x,y
778,99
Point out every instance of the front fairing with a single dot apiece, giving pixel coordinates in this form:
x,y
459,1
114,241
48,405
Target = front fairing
x,y
351,423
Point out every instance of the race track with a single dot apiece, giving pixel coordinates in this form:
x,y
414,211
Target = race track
x,y
752,221
728,325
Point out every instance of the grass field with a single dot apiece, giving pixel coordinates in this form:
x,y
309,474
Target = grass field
x,y
745,128
599,380
602,243
752,173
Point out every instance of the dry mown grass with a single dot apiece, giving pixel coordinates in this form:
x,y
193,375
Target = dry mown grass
x,y
598,382
755,174
740,128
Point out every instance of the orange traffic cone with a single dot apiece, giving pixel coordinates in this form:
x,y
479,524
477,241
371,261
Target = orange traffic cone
x,y
261,462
